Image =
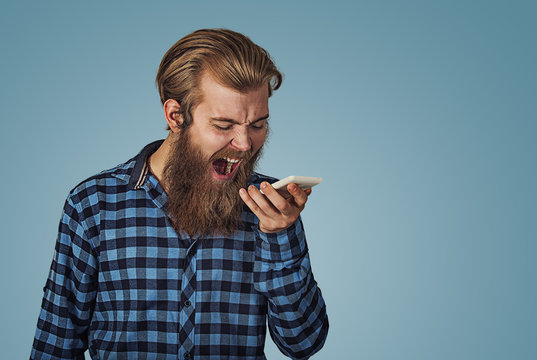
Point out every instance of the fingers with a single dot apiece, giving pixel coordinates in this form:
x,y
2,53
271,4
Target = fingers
x,y
277,201
300,196
245,196
275,213
270,219
275,198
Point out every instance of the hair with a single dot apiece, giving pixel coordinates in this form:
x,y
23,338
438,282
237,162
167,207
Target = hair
x,y
231,58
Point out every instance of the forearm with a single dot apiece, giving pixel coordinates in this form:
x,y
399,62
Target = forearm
x,y
69,294
297,312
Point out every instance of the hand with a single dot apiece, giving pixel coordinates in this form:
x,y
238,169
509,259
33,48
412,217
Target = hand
x,y
275,213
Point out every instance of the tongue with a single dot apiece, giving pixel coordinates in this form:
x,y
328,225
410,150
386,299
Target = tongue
x,y
220,166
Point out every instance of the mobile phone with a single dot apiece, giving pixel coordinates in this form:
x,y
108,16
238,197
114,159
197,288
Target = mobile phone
x,y
303,182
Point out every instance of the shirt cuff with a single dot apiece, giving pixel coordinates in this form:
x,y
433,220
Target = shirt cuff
x,y
286,245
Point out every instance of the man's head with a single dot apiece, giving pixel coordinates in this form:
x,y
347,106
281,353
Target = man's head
x,y
231,59
214,85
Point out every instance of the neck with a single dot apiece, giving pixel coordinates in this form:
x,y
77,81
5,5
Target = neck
x,y
158,160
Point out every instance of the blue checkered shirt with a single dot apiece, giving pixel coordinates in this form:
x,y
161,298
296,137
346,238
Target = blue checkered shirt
x,y
124,285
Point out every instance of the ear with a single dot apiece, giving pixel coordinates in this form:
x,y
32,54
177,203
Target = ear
x,y
172,113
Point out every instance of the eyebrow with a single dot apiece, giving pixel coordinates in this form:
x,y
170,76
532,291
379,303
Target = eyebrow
x,y
236,122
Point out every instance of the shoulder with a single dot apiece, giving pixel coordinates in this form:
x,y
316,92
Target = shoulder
x,y
117,180
108,182
90,197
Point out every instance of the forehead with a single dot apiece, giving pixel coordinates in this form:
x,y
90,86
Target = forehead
x,y
222,101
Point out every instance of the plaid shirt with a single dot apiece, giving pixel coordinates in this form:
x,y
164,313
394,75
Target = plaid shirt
x,y
125,285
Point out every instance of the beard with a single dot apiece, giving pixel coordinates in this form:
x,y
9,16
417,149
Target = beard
x,y
197,203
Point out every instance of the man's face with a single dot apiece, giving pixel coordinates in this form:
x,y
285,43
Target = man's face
x,y
214,157
227,125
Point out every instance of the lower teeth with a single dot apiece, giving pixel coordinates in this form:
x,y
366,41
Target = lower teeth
x,y
228,167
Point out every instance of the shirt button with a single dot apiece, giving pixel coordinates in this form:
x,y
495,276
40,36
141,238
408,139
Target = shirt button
x,y
187,355
187,303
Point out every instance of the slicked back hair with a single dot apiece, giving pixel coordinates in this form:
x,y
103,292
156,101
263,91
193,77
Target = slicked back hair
x,y
231,58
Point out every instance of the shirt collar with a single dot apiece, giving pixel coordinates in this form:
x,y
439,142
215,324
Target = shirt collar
x,y
141,168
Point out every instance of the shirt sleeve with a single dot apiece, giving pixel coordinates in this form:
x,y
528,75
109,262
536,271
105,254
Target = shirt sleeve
x,y
297,318
69,293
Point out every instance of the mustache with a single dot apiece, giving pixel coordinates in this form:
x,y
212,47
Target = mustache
x,y
232,154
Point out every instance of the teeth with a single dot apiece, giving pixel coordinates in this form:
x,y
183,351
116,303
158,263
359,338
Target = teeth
x,y
233,161
229,164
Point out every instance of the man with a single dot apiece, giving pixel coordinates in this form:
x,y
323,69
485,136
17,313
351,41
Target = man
x,y
159,258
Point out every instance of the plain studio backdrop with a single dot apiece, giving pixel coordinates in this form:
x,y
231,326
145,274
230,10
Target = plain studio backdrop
x,y
419,115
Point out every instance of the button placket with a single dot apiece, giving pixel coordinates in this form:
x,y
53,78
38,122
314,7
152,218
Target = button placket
x,y
188,295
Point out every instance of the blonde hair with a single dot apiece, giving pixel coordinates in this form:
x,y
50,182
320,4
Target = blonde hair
x,y
230,57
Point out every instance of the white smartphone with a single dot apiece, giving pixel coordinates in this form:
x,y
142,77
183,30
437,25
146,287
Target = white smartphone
x,y
303,182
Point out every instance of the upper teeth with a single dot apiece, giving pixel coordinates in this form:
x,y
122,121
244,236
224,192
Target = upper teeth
x,y
233,161
229,164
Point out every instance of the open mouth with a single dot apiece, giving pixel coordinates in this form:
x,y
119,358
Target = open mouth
x,y
225,166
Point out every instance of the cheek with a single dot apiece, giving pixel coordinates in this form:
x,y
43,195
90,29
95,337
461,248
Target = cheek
x,y
214,140
258,140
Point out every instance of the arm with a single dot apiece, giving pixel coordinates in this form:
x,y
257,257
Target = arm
x,y
297,316
69,293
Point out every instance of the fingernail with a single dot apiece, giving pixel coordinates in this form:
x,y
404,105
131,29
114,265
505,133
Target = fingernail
x,y
242,191
263,185
293,187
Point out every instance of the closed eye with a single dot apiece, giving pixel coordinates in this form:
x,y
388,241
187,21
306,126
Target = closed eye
x,y
258,127
258,124
223,128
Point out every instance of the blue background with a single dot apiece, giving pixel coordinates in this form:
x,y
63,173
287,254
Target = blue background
x,y
419,115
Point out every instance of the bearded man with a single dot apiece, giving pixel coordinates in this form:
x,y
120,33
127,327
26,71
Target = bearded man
x,y
176,254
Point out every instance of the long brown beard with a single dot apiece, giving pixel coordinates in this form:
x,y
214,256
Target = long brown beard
x,y
197,204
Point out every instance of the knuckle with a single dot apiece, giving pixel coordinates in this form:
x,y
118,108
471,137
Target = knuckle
x,y
265,206
284,207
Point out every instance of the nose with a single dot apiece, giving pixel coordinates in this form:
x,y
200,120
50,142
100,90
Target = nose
x,y
241,141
